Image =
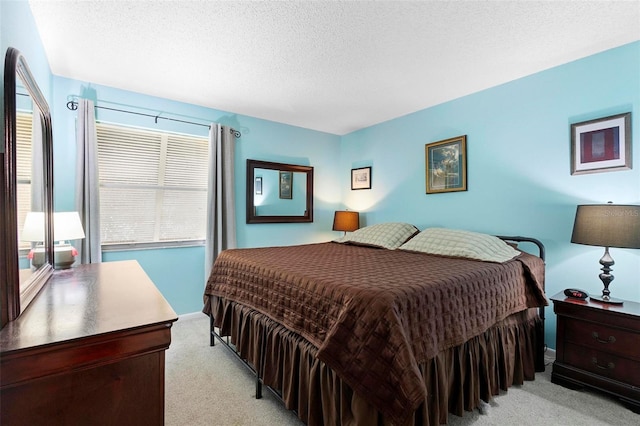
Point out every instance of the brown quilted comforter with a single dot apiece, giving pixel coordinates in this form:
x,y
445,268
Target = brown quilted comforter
x,y
374,314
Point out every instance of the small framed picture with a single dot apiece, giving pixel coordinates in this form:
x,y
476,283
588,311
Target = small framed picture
x,y
258,185
286,185
601,145
361,178
446,165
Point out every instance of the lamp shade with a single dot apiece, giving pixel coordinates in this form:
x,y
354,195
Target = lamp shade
x,y
607,225
66,226
33,229
346,221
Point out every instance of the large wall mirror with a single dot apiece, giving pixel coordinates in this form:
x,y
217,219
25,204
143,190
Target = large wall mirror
x,y
26,205
279,193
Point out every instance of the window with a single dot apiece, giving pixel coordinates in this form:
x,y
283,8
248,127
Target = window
x,y
153,186
24,128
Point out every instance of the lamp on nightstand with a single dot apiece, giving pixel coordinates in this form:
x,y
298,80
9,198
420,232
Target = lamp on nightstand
x,y
607,225
346,221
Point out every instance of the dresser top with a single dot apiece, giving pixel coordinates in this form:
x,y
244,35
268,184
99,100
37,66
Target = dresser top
x,y
86,301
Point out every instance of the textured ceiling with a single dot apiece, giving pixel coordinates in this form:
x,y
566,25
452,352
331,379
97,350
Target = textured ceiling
x,y
332,66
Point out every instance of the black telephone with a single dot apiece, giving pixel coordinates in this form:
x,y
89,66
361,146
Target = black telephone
x,y
575,293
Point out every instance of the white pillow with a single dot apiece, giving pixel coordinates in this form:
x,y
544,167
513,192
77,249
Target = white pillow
x,y
458,243
389,235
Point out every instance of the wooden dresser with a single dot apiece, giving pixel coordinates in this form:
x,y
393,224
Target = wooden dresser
x,y
88,351
598,345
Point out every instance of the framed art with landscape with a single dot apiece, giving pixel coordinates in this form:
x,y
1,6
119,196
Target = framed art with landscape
x,y
601,145
286,185
446,165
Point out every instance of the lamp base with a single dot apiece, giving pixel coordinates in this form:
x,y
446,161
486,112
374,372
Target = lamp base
x,y
606,277
606,299
64,255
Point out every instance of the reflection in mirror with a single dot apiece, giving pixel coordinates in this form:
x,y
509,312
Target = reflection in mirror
x,y
27,180
279,193
283,193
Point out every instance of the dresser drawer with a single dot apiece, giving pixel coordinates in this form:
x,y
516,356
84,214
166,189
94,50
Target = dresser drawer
x,y
602,338
603,364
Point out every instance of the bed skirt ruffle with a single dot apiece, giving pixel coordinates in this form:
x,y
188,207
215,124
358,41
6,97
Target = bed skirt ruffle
x,y
456,379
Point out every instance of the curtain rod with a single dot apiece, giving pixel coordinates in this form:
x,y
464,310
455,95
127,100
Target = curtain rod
x,y
73,105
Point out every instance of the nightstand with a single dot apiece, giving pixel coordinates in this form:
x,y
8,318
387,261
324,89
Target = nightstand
x,y
598,345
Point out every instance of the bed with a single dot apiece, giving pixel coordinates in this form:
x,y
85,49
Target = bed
x,y
386,326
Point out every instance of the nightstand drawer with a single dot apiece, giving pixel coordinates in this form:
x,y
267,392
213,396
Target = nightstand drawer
x,y
603,364
603,338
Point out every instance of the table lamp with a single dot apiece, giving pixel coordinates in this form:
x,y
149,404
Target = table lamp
x,y
66,227
607,225
347,221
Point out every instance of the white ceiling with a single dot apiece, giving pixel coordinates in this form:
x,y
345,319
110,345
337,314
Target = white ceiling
x,y
333,66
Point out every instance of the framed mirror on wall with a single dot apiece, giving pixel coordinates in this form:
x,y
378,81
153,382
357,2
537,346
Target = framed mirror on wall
x,y
26,177
279,193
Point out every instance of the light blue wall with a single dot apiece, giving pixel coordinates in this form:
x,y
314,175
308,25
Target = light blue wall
x,y
518,165
519,181
18,30
261,140
179,272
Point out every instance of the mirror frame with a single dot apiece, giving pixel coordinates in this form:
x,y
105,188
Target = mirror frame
x,y
257,164
14,295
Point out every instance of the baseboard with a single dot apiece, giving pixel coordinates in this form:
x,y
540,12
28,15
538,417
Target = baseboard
x,y
191,316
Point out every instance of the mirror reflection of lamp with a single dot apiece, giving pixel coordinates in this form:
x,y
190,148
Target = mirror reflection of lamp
x,y
66,227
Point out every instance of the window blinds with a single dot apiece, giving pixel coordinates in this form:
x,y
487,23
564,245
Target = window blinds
x,y
153,185
24,162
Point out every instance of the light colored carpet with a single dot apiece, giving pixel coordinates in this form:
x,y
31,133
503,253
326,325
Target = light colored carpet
x,y
207,386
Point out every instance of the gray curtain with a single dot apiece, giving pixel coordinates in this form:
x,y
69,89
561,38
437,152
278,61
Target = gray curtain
x,y
87,183
221,212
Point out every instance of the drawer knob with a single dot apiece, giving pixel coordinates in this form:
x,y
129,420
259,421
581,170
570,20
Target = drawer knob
x,y
595,335
609,366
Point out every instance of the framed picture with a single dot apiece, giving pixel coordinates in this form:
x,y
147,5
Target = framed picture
x,y
601,145
446,165
361,178
286,185
258,185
